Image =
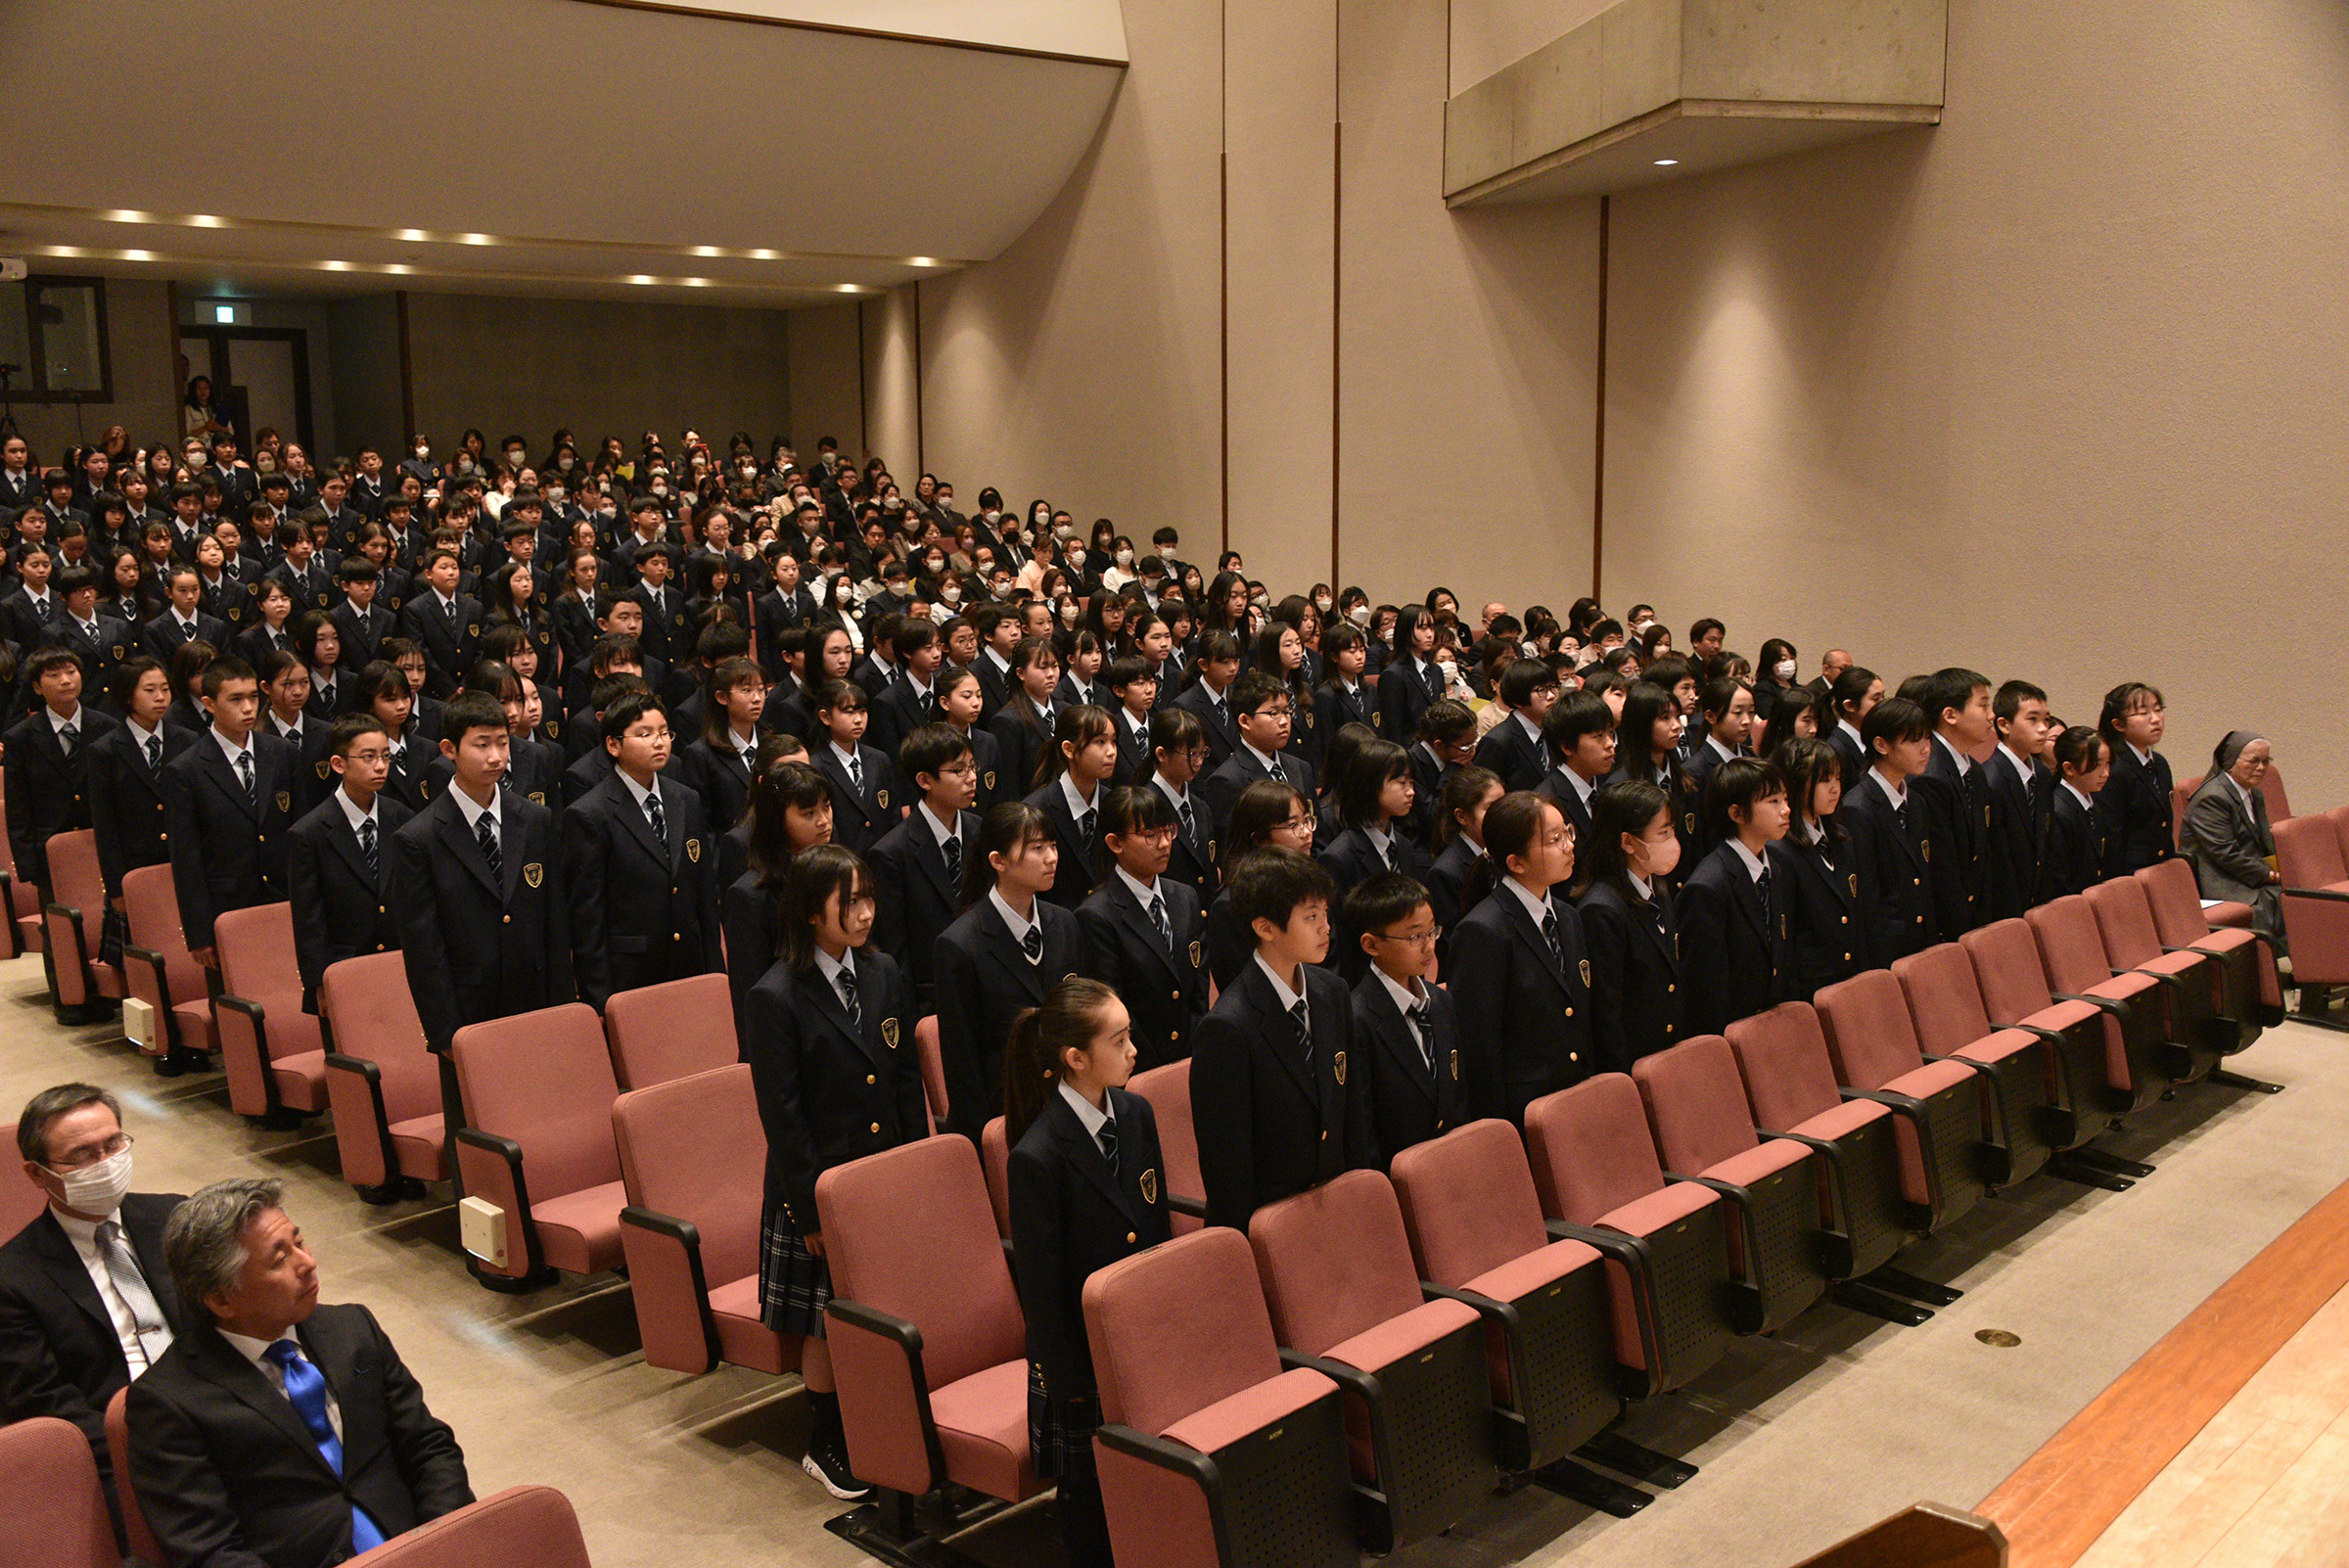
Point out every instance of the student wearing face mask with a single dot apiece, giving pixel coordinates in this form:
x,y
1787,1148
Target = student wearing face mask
x,y
86,1302
1775,669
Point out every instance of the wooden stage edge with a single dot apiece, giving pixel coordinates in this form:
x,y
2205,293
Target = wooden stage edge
x,y
2061,1498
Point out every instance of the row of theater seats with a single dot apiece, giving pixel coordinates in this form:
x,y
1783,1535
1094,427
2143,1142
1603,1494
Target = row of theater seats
x,y
56,1519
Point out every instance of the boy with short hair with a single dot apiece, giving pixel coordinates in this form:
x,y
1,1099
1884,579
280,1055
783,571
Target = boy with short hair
x,y
1279,1096
340,864
228,801
1956,795
1260,710
1144,931
1407,1027
1887,823
918,864
48,762
444,622
1579,738
1133,683
1735,942
640,865
866,801
907,702
1217,663
362,623
1513,749
2020,783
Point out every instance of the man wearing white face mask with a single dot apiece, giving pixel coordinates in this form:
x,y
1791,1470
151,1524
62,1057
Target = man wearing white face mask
x,y
86,1303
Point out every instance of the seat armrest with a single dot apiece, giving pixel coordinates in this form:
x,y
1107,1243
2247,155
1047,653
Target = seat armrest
x,y
1196,1208
490,1165
354,1094
240,1071
672,1292
884,1398
1200,1470
2103,1004
1629,1254
2326,893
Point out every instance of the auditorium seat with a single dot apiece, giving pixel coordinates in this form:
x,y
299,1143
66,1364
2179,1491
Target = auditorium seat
x,y
1476,1231
1791,1090
80,986
672,1029
2053,1082
383,1083
59,1517
926,1339
1949,1156
1704,1133
2193,985
1168,1088
995,1156
537,1092
159,971
1345,1301
533,1525
934,1068
2316,911
1212,1455
2071,951
1666,1243
693,1161
20,1202
271,1050
143,1545
19,902
2254,986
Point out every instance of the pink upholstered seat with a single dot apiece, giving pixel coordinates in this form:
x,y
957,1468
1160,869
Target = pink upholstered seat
x,y
74,923
56,1514
382,1082
672,1029
2071,952
143,1545
2255,990
1873,1042
271,1050
157,966
2310,860
521,1525
537,1092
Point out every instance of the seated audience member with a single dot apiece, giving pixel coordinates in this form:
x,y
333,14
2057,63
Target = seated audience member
x,y
1262,711
1407,1027
2228,837
1513,747
222,1476
1072,781
86,1303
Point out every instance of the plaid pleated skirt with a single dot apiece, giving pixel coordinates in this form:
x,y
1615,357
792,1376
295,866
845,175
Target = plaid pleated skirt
x,y
794,1285
1060,1432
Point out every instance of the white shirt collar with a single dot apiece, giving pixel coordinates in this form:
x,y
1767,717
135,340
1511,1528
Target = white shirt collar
x,y
1173,792
140,737
350,807
2242,796
1583,788
1264,758
1965,764
256,1351
2086,803
1011,917
82,1232
2142,755
1405,997
638,792
58,724
1846,726
2022,770
1754,864
1078,805
227,750
1540,908
1719,749
941,828
1379,839
1093,1119
844,753
1144,891
1898,796
830,967
1639,884
473,813
1531,728
1280,987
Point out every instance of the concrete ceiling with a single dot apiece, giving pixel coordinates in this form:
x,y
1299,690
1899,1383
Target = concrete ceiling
x,y
774,152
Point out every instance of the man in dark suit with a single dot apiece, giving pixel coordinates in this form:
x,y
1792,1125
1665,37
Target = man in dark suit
x,y
228,801
184,622
641,865
1407,1028
1261,712
48,763
478,887
277,1430
1278,1093
86,1303
340,864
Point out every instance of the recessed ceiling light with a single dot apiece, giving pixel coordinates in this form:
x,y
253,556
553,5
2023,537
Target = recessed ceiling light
x,y
206,221
921,261
762,254
847,288
1668,162
706,250
477,239
640,277
413,236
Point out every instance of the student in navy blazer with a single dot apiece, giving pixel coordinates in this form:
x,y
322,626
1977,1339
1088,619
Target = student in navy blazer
x,y
1406,1026
1736,946
228,841
1816,878
1342,698
1178,754
2080,848
791,811
2136,808
1373,792
918,865
1071,792
1157,963
1518,969
1087,1190
1889,835
1461,875
1851,697
1007,949
2016,774
1412,679
342,904
1629,925
1515,748
1280,1102
867,800
1216,663
1955,794
1578,739
1260,710
1134,693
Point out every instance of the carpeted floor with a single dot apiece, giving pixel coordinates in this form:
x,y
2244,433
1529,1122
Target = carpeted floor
x,y
1802,1438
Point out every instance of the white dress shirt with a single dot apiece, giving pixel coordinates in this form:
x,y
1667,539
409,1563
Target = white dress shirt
x,y
84,1234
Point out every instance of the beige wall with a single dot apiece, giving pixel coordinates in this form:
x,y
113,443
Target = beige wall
x,y
827,379
601,367
2054,390
141,345
891,382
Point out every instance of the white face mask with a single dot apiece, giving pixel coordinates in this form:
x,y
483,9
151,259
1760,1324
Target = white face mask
x,y
564,463
1065,531
1359,615
1783,670
1126,559
97,1189
423,452
1323,604
950,593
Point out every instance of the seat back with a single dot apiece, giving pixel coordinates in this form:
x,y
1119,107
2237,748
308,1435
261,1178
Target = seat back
x,y
1335,1261
2070,947
1178,1327
1783,1056
994,1157
910,1231
256,952
533,1525
20,1202
2271,788
1868,1033
2181,794
1168,1088
1696,1106
672,1029
2125,922
2007,967
151,906
544,1079
694,1148
1468,1202
59,1519
2339,817
143,1544
75,881
1590,1150
367,1004
1945,1000
934,1066
2308,852
2174,901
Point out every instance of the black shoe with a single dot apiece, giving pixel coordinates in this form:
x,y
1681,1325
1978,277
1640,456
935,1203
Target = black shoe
x,y
828,1461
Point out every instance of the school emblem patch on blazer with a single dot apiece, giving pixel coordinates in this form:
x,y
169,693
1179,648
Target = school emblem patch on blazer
x,y
1194,955
1337,1065
889,1032
285,801
533,873
1586,966
1854,881
553,728
989,780
324,770
693,851
236,611
1689,821
1149,1185
118,650
881,798
1455,1067
539,795
1927,849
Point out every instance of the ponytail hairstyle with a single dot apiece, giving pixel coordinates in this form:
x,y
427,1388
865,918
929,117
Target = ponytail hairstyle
x,y
2075,747
1343,747
1460,793
1807,762
1005,827
1510,825
1173,729
1033,1059
1626,807
1079,726
2119,703
815,876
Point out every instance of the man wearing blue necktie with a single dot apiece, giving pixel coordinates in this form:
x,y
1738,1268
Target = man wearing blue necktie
x,y
333,1449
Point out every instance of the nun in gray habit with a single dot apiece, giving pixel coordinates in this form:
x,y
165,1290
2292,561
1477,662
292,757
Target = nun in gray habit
x,y
2228,837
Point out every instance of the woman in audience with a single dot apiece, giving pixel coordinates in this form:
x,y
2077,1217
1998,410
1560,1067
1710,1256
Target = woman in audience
x,y
2133,806
1267,813
199,416
2080,848
1071,1123
815,1026
1461,873
1629,924
2228,836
